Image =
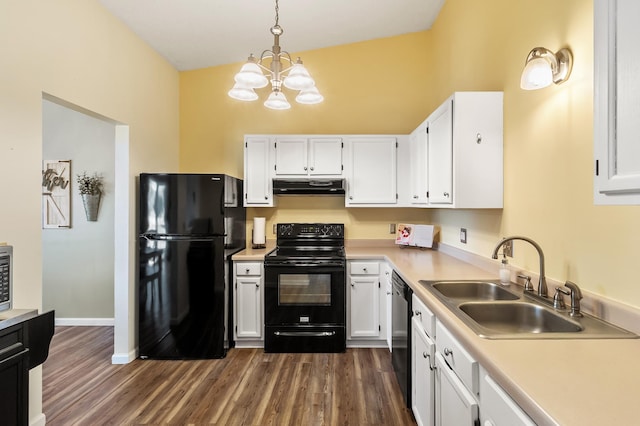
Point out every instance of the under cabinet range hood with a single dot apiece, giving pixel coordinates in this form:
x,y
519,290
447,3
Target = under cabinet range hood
x,y
308,187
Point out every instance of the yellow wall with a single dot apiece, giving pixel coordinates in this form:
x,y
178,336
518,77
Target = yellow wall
x,y
76,51
376,86
548,134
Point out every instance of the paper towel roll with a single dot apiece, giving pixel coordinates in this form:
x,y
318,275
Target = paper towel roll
x,y
259,236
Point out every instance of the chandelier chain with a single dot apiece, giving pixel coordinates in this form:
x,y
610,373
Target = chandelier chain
x,y
277,10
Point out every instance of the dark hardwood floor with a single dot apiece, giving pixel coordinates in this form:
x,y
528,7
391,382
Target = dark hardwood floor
x,y
248,387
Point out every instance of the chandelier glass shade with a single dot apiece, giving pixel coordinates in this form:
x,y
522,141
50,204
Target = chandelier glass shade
x,y
275,66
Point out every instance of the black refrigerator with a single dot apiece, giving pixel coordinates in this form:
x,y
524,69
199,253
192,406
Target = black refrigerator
x,y
189,227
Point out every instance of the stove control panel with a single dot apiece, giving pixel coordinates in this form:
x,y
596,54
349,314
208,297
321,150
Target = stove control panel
x,y
297,230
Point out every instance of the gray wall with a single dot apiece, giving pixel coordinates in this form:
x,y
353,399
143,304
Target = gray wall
x,y
78,263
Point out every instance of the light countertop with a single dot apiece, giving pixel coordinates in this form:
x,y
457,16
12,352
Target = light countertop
x,y
564,381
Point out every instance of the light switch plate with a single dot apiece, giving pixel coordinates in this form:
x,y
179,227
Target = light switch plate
x,y
463,235
392,228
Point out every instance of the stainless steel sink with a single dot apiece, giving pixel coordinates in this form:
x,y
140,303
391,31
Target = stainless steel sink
x,y
518,317
475,290
495,312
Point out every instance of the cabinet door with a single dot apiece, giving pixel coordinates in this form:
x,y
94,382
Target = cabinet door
x,y
363,312
257,172
291,157
455,406
616,91
497,406
440,155
372,171
388,301
248,307
14,389
419,164
325,156
423,381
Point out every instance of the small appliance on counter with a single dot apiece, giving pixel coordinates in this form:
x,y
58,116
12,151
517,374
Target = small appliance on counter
x,y
6,276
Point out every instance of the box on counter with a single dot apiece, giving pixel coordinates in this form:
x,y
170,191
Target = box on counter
x,y
412,235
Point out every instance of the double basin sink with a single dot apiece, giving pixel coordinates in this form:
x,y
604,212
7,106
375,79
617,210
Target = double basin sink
x,y
493,311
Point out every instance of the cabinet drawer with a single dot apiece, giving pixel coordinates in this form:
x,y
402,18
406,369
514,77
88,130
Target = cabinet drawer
x,y
465,367
365,268
246,269
425,317
497,406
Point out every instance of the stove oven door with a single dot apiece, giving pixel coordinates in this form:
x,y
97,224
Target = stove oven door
x,y
305,294
305,307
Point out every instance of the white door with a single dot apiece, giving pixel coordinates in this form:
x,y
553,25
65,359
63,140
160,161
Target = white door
x,y
440,156
363,312
257,173
248,307
419,164
455,406
372,171
291,157
325,156
423,376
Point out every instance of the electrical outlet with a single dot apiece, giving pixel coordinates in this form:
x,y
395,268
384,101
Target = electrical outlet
x,y
275,228
392,228
507,248
463,235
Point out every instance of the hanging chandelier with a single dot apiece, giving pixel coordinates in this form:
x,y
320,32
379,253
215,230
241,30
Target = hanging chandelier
x,y
295,76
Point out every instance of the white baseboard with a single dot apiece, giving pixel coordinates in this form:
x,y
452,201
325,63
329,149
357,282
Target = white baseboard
x,y
85,322
39,420
124,358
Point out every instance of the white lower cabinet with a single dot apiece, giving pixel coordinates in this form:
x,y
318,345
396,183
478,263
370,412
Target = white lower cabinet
x,y
248,298
387,300
497,407
366,309
455,405
457,385
422,365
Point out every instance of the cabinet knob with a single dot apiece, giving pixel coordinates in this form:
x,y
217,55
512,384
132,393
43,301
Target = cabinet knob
x,y
364,270
351,197
447,352
311,168
246,271
257,285
305,168
266,197
352,285
478,138
418,313
425,355
415,197
446,194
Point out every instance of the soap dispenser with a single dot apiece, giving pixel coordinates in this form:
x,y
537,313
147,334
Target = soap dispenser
x,y
505,273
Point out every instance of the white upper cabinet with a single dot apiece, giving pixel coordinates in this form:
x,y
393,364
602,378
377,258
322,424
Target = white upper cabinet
x,y
371,171
464,151
616,93
308,156
418,165
257,172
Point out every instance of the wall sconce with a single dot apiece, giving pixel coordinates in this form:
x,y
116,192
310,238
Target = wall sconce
x,y
543,67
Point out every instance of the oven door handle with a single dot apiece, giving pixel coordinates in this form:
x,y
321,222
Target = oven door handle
x,y
305,333
305,265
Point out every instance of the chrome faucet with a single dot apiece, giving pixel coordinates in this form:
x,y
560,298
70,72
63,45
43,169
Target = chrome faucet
x,y
542,282
576,295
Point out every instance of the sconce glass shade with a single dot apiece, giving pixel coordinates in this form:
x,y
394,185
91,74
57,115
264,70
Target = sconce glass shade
x,y
242,93
536,74
309,96
543,67
277,100
251,75
298,78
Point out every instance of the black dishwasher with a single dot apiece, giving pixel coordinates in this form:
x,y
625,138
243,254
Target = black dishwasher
x,y
400,335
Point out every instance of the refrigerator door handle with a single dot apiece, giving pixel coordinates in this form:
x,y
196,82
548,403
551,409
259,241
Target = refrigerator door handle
x,y
159,237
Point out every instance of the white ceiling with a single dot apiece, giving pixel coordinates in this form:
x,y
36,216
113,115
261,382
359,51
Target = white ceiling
x,y
194,34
